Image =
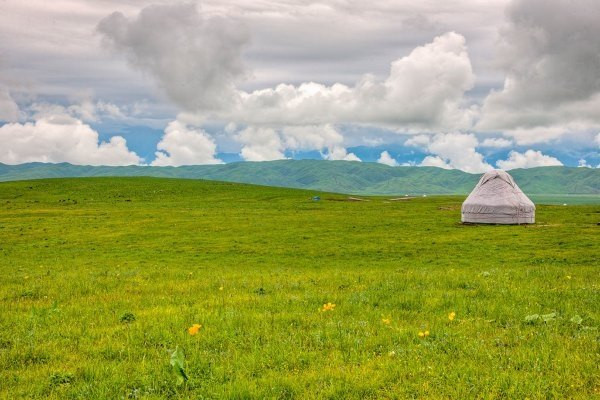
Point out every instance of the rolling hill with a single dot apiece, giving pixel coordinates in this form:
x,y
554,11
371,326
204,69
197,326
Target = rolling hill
x,y
331,176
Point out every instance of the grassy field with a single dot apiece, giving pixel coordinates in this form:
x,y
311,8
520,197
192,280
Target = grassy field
x,y
568,199
102,277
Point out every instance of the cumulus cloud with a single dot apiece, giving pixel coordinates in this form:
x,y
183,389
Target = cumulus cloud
x,y
458,150
529,159
549,51
260,144
387,159
435,161
185,145
61,138
496,143
266,143
582,163
451,150
325,138
424,88
340,153
194,58
9,110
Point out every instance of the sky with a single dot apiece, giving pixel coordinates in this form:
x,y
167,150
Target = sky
x,y
466,84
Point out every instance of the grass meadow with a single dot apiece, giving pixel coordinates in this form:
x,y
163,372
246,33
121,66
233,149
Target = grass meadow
x,y
102,279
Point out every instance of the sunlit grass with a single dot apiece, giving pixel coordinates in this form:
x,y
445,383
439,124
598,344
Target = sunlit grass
x,y
110,286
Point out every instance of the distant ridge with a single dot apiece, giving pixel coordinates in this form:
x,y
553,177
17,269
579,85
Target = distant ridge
x,y
331,176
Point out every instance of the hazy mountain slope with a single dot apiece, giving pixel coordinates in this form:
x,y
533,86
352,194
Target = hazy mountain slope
x,y
333,176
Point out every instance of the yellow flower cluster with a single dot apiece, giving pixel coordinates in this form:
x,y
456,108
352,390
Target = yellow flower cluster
x,y
386,321
328,307
193,330
423,334
451,316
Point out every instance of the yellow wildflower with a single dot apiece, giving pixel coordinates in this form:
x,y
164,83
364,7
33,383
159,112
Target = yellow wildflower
x,y
451,316
421,334
192,330
568,276
386,321
328,307
221,288
426,333
392,353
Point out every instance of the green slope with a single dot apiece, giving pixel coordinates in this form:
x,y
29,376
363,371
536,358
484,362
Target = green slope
x,y
333,176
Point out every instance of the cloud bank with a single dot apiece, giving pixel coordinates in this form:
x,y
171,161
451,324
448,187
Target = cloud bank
x,y
61,138
529,159
299,86
9,110
550,54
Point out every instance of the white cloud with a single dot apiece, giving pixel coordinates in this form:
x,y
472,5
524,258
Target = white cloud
x,y
339,153
324,138
582,163
194,58
311,137
418,141
387,159
496,143
260,144
61,138
543,134
185,145
424,88
265,143
451,150
529,159
9,110
435,161
109,110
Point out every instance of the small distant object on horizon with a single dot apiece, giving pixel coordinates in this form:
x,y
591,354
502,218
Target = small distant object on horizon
x,y
424,195
564,204
497,199
316,198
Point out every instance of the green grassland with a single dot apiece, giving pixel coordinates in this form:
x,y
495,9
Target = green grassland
x,y
102,277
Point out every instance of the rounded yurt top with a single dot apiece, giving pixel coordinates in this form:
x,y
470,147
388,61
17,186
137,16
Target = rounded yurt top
x,y
497,199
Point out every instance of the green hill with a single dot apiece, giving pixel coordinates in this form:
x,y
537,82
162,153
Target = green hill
x,y
331,176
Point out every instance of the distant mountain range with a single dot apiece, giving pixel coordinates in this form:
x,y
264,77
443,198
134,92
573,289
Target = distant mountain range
x,y
331,176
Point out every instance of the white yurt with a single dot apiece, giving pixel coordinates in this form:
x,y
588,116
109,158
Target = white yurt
x,y
498,200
